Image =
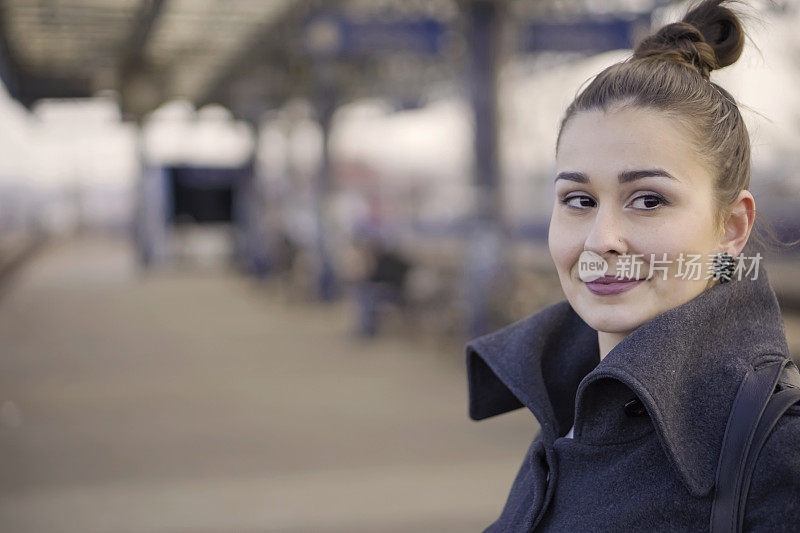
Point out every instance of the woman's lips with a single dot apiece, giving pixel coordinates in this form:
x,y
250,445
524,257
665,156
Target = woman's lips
x,y
606,286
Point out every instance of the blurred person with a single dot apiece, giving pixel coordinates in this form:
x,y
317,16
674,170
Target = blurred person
x,y
633,377
285,252
384,282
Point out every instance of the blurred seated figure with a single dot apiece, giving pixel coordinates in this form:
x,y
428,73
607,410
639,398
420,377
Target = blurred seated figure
x,y
384,282
289,261
286,251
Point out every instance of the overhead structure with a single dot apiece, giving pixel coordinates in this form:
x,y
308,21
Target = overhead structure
x,y
245,54
149,51
253,55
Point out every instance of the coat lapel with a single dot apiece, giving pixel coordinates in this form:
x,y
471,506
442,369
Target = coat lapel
x,y
685,365
536,362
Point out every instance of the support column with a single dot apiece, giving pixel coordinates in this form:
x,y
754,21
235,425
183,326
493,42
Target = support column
x,y
256,252
325,104
486,248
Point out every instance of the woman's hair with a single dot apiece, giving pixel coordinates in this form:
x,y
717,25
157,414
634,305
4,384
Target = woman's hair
x,y
669,72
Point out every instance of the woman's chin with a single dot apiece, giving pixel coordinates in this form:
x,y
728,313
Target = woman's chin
x,y
619,317
615,325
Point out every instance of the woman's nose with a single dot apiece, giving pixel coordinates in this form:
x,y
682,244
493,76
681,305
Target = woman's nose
x,y
605,234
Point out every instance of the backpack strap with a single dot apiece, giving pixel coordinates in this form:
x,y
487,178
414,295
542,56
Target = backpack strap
x,y
783,399
754,413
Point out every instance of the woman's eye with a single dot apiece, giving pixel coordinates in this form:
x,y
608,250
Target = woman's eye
x,y
645,202
648,202
578,201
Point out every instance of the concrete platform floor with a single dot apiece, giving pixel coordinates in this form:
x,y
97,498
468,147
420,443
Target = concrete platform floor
x,y
199,402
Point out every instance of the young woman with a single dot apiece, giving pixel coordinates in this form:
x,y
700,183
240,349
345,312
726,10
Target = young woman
x,y
633,376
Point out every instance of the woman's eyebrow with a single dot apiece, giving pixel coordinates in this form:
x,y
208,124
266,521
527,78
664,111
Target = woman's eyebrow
x,y
625,176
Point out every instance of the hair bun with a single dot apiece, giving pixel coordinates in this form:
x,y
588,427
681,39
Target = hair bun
x,y
709,37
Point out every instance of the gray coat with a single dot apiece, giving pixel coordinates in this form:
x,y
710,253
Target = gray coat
x,y
649,418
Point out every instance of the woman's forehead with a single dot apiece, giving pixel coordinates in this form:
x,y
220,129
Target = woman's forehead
x,y
601,144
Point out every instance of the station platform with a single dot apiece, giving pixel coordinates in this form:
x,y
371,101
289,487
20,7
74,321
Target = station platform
x,y
193,401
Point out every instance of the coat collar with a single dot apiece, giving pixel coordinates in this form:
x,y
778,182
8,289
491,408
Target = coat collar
x,y
685,365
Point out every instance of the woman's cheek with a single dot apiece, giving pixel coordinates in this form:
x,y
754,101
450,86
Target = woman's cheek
x,y
559,250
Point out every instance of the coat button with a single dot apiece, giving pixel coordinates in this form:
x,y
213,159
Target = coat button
x,y
634,407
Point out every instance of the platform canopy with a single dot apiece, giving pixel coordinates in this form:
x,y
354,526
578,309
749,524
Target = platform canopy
x,y
248,55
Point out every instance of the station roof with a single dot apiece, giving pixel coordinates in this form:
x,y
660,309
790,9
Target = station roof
x,y
238,53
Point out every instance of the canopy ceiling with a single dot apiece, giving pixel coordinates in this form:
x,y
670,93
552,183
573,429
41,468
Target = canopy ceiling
x,y
245,54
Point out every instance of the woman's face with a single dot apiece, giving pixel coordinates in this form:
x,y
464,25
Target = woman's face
x,y
628,182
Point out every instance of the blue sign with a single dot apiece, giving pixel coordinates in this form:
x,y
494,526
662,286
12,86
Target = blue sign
x,y
589,35
336,36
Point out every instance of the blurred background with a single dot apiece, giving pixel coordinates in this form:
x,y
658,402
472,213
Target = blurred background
x,y
243,243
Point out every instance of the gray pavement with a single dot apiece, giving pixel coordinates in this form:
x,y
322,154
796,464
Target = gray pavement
x,y
200,402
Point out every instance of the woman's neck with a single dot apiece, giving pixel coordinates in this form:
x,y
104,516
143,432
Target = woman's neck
x,y
607,341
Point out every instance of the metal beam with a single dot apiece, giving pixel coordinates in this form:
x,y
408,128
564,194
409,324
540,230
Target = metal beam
x,y
142,28
26,87
9,70
277,48
140,87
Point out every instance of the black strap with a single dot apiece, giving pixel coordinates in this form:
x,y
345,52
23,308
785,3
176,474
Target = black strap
x,y
754,413
777,406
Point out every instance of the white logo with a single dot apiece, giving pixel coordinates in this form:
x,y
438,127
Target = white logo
x,y
591,266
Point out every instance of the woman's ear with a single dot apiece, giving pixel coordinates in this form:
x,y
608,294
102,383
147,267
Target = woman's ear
x,y
739,223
